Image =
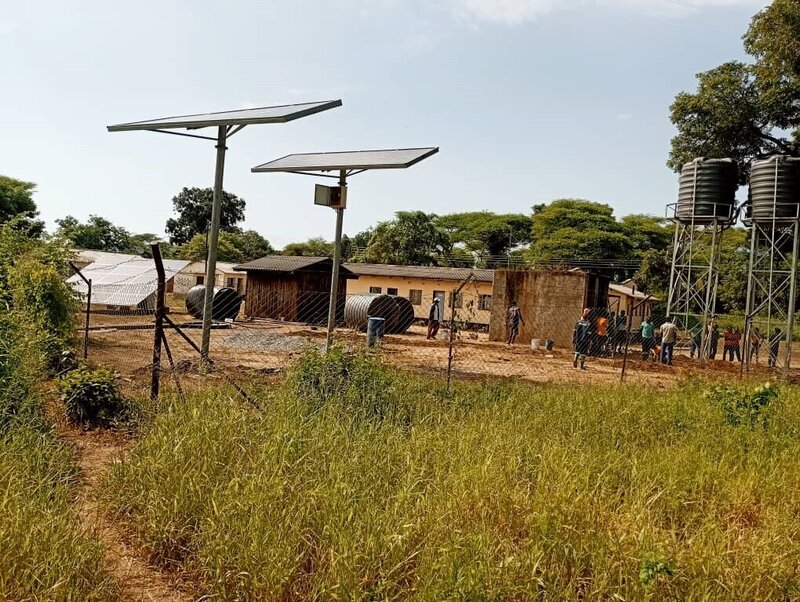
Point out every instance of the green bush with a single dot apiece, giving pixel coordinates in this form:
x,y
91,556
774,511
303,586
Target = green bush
x,y
22,364
91,397
745,408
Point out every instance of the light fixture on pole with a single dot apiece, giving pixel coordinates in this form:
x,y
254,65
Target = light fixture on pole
x,y
346,163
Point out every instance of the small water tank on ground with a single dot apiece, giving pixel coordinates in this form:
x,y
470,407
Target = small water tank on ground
x,y
225,305
397,311
775,190
707,191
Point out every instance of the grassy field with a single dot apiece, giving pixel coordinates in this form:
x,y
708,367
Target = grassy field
x,y
357,482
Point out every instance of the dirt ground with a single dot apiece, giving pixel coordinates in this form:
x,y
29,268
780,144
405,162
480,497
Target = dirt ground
x,y
125,344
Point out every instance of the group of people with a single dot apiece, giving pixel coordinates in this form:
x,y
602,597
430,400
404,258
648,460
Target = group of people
x,y
590,337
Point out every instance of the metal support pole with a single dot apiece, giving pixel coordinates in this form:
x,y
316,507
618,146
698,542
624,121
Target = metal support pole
x,y
159,321
213,239
88,318
337,258
792,305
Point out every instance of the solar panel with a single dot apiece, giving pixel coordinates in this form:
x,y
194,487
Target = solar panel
x,y
369,159
126,283
275,114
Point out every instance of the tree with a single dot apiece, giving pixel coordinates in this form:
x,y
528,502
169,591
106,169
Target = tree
x,y
16,199
411,238
196,250
746,111
647,233
654,273
578,229
313,247
97,233
251,245
193,206
486,234
733,270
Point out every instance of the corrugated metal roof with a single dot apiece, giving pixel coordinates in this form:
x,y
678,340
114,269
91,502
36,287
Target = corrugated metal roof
x,y
414,271
283,263
624,290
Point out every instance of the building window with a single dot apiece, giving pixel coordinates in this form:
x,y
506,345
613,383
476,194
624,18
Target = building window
x,y
456,300
232,282
415,297
375,289
199,280
439,295
391,291
485,302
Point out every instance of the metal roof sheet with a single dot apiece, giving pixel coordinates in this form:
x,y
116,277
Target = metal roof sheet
x,y
273,114
286,263
413,271
127,283
367,159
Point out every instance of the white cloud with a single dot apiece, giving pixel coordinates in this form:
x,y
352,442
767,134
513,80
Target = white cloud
x,y
512,12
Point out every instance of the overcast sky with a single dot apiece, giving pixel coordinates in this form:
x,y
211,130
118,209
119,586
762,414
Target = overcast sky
x,y
529,100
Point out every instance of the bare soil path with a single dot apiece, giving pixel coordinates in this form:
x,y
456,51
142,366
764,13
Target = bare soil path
x,y
96,452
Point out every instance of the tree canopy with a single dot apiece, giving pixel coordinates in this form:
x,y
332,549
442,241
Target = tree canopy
x,y
193,206
97,233
746,111
16,200
236,247
486,234
411,238
313,247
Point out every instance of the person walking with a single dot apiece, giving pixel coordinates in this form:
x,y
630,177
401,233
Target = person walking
x,y
434,318
581,336
514,319
648,338
669,335
756,338
713,337
774,347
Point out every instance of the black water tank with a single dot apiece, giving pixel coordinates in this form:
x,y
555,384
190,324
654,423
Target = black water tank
x,y
775,189
707,191
397,311
226,303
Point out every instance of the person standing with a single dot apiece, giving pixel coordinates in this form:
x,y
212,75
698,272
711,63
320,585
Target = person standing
x,y
737,344
755,344
622,331
669,335
601,329
728,344
434,318
774,347
514,319
713,336
696,333
580,340
648,338
612,332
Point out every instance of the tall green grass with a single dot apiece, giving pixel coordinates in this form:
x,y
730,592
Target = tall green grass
x,y
344,490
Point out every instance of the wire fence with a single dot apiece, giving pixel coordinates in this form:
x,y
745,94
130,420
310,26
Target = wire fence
x,y
456,334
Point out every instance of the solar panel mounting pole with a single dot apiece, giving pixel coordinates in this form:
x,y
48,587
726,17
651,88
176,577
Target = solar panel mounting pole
x,y
337,259
213,238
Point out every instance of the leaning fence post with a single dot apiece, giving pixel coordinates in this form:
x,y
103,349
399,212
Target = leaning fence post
x,y
159,320
88,282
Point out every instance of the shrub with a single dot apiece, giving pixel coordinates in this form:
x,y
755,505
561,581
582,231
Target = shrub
x,y
744,408
91,397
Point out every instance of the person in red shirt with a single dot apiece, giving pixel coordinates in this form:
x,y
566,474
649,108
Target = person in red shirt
x,y
733,344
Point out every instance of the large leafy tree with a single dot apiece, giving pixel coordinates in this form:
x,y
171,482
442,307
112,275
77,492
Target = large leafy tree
x,y
97,233
313,247
193,206
16,200
196,250
487,235
411,238
647,232
577,229
746,110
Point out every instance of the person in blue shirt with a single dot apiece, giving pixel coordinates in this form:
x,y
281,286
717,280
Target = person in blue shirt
x,y
648,338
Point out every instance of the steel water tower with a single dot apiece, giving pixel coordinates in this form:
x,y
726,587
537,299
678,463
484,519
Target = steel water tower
x,y
705,209
772,214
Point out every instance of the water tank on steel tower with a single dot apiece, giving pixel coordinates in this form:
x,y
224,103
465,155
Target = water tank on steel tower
x,y
775,190
707,191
